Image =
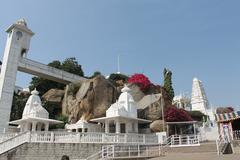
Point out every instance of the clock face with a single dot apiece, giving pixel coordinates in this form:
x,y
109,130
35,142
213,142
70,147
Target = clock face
x,y
19,34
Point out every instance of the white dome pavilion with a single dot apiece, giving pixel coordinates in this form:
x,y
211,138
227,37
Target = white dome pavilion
x,y
34,116
121,117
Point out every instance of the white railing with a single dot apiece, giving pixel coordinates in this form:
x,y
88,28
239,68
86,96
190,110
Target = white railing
x,y
95,156
73,137
6,136
184,140
14,142
131,151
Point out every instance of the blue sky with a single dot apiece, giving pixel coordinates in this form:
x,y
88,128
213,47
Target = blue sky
x,y
192,38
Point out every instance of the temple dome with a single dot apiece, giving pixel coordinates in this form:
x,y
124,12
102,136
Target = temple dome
x,y
125,106
33,107
125,95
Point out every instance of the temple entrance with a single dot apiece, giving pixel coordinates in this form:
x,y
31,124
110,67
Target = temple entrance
x,y
112,128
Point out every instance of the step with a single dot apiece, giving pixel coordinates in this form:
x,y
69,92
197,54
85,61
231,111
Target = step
x,y
204,147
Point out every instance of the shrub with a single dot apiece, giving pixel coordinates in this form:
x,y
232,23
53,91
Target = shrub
x,y
141,80
115,77
173,114
197,115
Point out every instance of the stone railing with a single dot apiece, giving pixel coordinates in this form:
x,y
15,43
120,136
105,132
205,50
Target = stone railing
x,y
14,142
131,151
184,140
6,136
73,137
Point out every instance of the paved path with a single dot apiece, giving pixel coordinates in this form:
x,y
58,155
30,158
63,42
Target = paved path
x,y
198,156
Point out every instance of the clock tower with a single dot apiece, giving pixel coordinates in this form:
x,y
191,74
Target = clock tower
x,y
17,46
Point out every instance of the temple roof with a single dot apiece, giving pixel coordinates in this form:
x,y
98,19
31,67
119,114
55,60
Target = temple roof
x,y
33,107
125,106
33,111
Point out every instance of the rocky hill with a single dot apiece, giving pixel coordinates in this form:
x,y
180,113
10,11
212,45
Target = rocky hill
x,y
91,99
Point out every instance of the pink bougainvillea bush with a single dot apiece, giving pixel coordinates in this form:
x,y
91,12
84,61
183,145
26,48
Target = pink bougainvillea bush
x,y
141,80
173,114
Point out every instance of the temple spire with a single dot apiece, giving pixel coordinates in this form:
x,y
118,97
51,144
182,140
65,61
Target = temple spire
x,y
199,99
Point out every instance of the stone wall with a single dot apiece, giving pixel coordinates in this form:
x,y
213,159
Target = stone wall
x,y
51,151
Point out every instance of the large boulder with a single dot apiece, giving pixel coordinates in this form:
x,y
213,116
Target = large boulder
x,y
154,111
53,95
136,92
88,100
157,126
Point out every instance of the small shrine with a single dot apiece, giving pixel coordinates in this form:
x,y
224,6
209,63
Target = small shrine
x,y
121,117
34,117
83,126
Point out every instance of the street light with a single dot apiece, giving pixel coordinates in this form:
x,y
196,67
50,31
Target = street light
x,y
162,104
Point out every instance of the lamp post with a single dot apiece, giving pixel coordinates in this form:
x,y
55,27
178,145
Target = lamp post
x,y
162,104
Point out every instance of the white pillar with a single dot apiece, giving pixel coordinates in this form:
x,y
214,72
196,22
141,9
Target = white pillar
x,y
136,126
127,126
46,126
106,126
28,126
22,127
117,126
194,129
34,125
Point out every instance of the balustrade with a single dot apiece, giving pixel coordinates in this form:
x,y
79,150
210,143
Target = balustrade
x,y
131,151
12,141
184,140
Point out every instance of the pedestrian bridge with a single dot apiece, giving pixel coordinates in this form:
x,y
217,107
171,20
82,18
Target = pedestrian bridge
x,y
47,72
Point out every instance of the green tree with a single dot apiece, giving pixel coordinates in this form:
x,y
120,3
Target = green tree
x,y
72,66
168,83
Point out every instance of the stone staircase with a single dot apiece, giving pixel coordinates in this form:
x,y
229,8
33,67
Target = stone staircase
x,y
203,148
127,152
50,151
